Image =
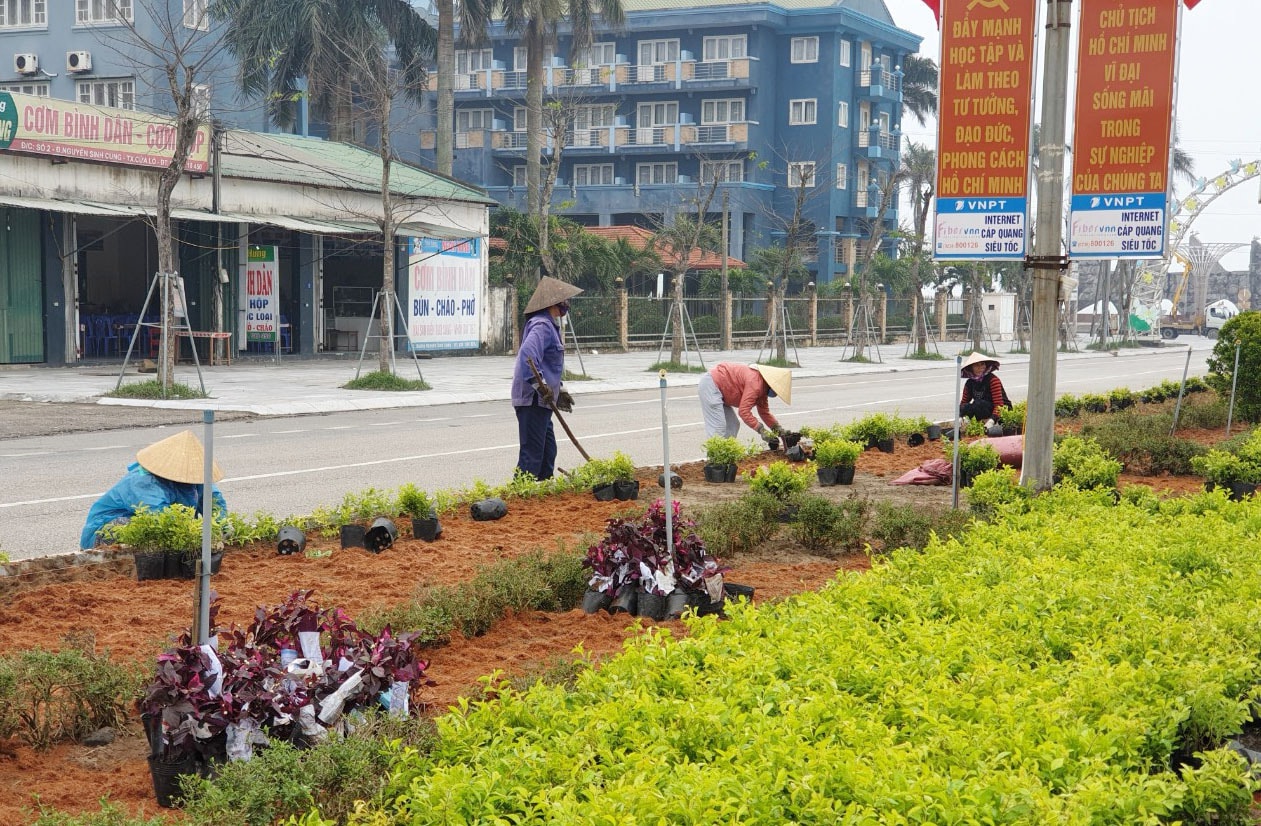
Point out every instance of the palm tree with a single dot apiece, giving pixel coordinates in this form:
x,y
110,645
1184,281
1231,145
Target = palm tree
x,y
919,87
474,19
279,42
537,23
919,171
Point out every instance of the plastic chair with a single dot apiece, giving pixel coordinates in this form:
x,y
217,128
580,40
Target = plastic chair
x,y
105,336
286,339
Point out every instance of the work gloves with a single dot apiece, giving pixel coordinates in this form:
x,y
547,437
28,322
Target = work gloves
x,y
565,402
545,393
772,439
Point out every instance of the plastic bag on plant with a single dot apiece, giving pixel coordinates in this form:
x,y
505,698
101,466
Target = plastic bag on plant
x,y
310,642
242,737
215,670
399,699
310,726
713,587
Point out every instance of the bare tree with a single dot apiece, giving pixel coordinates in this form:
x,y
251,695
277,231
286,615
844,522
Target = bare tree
x,y
179,51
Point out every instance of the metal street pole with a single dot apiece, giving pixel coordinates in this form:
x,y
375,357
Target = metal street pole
x,y
1048,262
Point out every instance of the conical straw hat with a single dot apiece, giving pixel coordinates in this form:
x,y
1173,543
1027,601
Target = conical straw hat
x,y
977,358
178,458
549,292
779,378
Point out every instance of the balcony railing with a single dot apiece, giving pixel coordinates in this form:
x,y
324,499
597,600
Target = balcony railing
x,y
586,76
651,135
509,140
733,69
597,136
868,138
472,139
891,81
716,133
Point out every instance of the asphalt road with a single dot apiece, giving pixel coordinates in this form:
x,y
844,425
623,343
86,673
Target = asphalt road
x,y
291,465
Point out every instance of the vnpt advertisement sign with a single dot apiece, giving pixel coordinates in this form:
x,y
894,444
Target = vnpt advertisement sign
x,y
262,295
445,282
61,128
983,133
1125,67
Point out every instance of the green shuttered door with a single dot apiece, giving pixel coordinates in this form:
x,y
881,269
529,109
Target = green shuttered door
x,y
21,288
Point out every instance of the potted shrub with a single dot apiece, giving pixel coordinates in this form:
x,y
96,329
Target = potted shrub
x,y
1119,398
1223,469
1094,402
420,507
974,459
721,456
1067,406
611,478
873,430
835,460
782,481
171,536
1012,418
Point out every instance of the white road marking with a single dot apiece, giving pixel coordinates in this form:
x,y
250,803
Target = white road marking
x,y
106,447
238,436
24,455
279,432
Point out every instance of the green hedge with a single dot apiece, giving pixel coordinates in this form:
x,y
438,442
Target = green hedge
x,y
1044,668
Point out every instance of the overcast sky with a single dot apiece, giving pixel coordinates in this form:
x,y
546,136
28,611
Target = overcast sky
x,y
1219,105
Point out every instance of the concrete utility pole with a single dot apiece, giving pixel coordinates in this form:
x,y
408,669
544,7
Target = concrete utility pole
x,y
1048,262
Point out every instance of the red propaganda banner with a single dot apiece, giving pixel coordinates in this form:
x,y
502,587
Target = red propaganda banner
x,y
983,123
1126,54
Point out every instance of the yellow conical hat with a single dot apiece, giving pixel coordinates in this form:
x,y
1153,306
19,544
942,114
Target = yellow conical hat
x,y
549,292
178,458
779,378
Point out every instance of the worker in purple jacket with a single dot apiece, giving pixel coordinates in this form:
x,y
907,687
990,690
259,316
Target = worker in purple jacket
x,y
541,344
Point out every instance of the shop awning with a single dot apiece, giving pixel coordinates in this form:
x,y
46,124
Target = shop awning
x,y
75,207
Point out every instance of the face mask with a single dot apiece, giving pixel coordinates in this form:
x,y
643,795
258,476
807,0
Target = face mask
x,y
564,307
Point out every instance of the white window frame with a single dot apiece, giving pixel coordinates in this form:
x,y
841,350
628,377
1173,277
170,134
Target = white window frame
x,y
103,12
842,114
801,174
519,178
804,50
474,120
722,110
115,92
846,50
201,97
469,61
38,89
593,174
803,112
518,118
196,15
842,176
669,108
669,173
607,55
864,55
670,46
594,115
724,171
725,47
36,14
521,56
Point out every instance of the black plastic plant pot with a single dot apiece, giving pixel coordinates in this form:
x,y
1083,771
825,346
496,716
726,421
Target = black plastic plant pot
x,y
595,601
915,440
1240,491
884,445
166,776
845,475
626,490
994,431
488,509
352,536
717,474
650,605
380,535
150,565
604,493
676,481
827,476
427,529
791,439
290,541
734,591
677,602
933,432
704,607
625,602
188,563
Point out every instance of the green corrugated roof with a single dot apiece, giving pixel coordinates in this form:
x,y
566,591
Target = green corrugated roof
x,y
294,159
875,9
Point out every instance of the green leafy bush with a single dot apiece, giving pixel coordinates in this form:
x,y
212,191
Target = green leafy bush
x,y
1119,398
49,696
723,450
974,458
837,453
874,427
730,528
781,480
414,502
1223,467
1094,402
1142,442
109,814
1083,462
822,525
1244,331
605,471
1067,406
1013,416
379,380
994,490
895,525
174,529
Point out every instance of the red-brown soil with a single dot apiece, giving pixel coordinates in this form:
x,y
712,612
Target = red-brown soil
x,y
133,619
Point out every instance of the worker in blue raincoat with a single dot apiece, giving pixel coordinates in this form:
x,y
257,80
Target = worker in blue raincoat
x,y
165,473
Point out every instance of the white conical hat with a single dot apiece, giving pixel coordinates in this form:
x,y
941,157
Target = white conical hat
x,y
549,292
779,378
178,458
977,358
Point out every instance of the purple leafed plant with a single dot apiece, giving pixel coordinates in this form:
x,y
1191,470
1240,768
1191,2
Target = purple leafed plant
x,y
635,550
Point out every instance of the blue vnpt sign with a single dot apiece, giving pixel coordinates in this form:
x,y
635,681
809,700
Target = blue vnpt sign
x,y
980,229
1118,226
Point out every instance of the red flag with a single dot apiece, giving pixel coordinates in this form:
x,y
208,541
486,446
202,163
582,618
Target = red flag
x,y
1191,3
935,5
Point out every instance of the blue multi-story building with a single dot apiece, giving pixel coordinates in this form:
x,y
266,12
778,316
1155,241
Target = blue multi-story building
x,y
784,101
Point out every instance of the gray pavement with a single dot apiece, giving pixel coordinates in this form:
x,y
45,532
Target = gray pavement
x,y
295,386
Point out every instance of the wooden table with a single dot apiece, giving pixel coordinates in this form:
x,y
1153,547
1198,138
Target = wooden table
x,y
211,338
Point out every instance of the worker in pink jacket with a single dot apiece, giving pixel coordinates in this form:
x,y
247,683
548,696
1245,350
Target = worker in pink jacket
x,y
729,393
